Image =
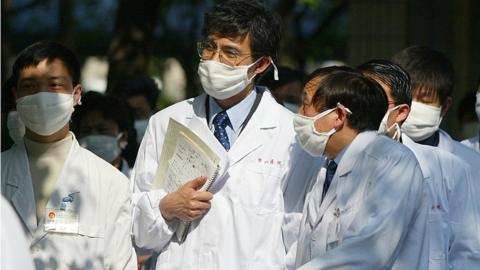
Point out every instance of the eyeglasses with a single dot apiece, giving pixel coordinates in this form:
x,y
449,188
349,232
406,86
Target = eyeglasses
x,y
227,55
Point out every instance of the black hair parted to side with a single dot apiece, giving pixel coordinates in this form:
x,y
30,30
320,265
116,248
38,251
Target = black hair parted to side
x,y
39,51
391,74
239,18
431,72
363,96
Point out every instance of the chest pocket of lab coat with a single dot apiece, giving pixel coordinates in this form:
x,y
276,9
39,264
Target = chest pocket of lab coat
x,y
85,249
258,187
439,231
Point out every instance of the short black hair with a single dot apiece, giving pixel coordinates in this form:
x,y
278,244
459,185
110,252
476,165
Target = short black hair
x,y
39,51
363,96
238,18
430,71
139,85
110,106
393,75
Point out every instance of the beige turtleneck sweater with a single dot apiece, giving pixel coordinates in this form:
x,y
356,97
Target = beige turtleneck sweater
x,y
46,162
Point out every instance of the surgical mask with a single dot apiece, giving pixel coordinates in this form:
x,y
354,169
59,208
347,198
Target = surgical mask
x,y
141,128
384,128
477,106
222,81
45,113
312,141
104,146
16,128
422,122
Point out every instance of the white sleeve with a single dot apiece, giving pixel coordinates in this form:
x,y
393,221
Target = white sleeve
x,y
374,238
301,176
464,252
150,229
119,250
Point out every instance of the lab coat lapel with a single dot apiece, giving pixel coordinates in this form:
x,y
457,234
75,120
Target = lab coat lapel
x,y
67,183
344,168
21,197
255,133
445,141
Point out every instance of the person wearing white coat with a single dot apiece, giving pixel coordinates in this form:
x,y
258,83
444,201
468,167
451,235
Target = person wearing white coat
x,y
368,196
449,186
250,217
74,207
14,249
432,76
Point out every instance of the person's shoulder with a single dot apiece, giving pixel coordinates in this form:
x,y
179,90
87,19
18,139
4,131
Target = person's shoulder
x,y
106,170
383,147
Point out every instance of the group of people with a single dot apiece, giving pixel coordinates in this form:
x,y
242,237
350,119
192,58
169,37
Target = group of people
x,y
361,177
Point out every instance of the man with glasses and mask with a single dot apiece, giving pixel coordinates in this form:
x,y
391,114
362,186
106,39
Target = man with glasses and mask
x,y
74,206
251,221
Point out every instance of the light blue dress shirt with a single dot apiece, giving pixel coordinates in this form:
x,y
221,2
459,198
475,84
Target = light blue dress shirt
x,y
236,114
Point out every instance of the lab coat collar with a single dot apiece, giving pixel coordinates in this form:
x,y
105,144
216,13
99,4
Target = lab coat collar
x,y
345,167
445,141
354,149
254,134
23,198
21,181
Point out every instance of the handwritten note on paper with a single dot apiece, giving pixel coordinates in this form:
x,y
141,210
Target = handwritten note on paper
x,y
184,157
187,163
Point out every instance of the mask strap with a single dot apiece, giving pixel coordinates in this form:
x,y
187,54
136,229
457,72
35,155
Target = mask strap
x,y
398,132
275,70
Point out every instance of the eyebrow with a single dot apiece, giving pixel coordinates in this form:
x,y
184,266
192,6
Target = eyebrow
x,y
57,78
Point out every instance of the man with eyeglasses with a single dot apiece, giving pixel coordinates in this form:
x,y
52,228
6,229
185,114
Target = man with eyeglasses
x,y
251,220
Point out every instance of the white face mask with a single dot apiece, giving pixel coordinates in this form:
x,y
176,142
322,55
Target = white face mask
x,y
422,122
45,113
104,146
222,81
16,128
141,128
312,141
477,106
384,128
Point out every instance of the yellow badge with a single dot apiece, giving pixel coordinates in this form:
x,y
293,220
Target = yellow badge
x,y
51,215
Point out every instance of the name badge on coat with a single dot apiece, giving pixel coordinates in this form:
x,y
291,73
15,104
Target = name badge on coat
x,y
64,218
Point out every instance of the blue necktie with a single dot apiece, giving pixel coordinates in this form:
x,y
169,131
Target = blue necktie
x,y
220,122
331,168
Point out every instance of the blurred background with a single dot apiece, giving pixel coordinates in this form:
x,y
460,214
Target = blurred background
x,y
118,38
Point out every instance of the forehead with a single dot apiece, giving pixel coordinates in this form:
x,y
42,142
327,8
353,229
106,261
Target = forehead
x,y
241,41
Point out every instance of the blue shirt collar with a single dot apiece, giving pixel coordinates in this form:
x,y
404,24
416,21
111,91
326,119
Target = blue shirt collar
x,y
236,113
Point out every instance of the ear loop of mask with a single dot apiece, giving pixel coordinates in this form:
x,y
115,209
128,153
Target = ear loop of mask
x,y
398,132
275,70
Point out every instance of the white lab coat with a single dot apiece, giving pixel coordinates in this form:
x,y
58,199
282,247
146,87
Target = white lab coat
x,y
255,210
467,154
14,244
473,142
372,215
103,205
454,221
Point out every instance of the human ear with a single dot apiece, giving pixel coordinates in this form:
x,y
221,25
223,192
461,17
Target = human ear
x,y
77,95
446,105
402,113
